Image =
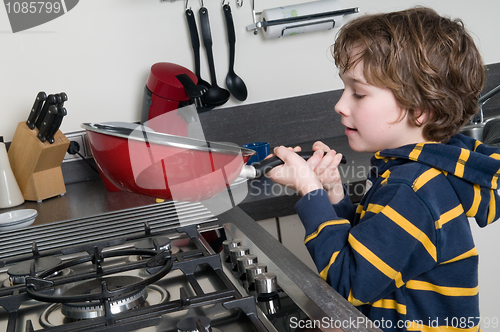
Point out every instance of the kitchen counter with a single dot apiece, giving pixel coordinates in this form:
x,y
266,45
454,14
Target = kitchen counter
x,y
83,199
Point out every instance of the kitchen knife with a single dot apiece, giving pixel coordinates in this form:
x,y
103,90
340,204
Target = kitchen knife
x,y
51,100
61,113
47,123
35,110
61,99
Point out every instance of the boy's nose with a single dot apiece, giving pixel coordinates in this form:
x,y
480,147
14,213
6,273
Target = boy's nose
x,y
341,106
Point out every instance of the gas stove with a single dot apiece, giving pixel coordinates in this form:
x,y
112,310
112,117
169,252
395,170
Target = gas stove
x,y
144,269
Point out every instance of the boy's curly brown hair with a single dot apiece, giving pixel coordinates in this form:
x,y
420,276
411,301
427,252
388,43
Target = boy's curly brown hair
x,y
429,62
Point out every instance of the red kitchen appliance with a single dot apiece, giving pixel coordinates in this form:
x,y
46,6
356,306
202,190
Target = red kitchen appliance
x,y
169,87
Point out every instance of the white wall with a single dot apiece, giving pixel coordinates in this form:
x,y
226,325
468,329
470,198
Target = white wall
x,y
100,53
488,246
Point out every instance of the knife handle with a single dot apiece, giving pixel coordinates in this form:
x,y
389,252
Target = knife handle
x,y
61,99
51,100
46,123
61,113
35,110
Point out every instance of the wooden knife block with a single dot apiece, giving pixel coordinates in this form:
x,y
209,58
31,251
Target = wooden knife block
x,y
37,165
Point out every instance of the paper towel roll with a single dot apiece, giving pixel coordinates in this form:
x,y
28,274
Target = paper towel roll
x,y
315,7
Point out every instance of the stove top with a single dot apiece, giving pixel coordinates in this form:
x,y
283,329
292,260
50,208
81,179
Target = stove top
x,y
137,271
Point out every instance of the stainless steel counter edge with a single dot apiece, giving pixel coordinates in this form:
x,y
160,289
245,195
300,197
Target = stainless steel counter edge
x,y
321,293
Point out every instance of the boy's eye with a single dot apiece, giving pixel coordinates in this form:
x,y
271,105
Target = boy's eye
x,y
357,96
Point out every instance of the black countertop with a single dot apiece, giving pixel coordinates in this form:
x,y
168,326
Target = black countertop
x,y
267,199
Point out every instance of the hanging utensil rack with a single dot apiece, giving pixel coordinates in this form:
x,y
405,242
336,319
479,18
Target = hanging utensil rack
x,y
260,25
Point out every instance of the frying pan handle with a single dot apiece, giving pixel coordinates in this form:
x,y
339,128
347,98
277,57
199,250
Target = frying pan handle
x,y
264,166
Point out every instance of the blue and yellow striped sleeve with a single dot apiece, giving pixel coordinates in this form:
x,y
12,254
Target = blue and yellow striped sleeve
x,y
391,245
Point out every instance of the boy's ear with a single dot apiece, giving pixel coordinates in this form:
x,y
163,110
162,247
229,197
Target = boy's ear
x,y
420,117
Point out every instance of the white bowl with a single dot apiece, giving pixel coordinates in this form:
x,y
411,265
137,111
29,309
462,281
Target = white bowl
x,y
17,219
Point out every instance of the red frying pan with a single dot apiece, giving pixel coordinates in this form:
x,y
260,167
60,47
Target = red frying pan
x,y
136,159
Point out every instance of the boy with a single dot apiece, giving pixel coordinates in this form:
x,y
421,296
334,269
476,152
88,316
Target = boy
x,y
405,257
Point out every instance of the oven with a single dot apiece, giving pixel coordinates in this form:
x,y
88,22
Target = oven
x,y
166,267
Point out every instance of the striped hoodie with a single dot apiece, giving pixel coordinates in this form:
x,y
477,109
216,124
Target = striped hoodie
x,y
405,256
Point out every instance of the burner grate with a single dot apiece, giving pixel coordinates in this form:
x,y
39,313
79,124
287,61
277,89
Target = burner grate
x,y
122,224
195,266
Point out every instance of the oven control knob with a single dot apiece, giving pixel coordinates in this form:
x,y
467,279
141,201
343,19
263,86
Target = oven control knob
x,y
270,305
266,284
244,261
238,252
253,270
227,245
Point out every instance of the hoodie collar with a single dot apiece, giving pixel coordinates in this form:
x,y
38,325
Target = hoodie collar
x,y
462,156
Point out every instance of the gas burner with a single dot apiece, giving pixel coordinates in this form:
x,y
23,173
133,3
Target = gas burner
x,y
93,309
20,271
57,314
98,289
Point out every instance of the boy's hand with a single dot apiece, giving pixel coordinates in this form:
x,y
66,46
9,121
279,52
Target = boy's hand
x,y
325,164
295,172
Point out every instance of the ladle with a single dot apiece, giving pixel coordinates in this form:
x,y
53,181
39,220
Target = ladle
x,y
215,96
233,82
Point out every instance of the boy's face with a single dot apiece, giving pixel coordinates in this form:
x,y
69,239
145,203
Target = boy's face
x,y
371,115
